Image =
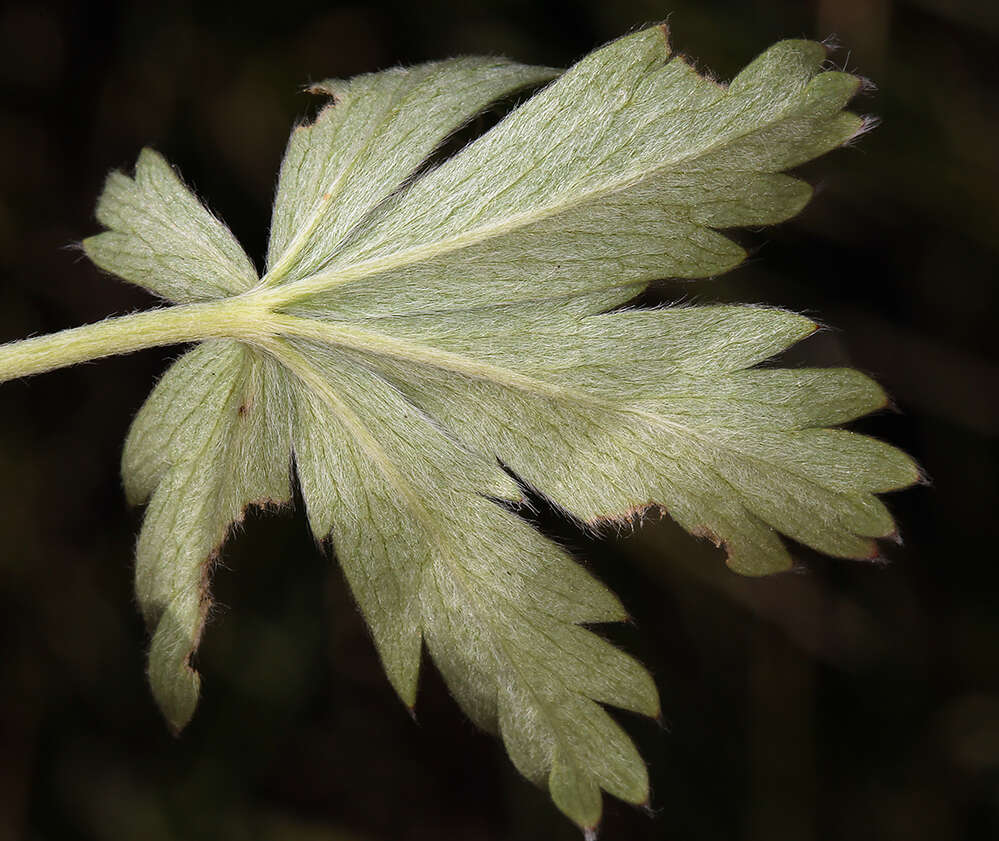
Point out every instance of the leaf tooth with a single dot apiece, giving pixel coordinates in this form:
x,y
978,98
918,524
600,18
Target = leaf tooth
x,y
782,71
611,756
576,793
175,683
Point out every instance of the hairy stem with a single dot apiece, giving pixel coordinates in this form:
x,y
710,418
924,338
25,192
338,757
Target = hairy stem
x,y
240,317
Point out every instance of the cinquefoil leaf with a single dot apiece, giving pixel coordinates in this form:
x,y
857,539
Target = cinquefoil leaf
x,y
161,237
213,438
419,327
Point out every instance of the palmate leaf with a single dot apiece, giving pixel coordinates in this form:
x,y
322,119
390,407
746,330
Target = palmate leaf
x,y
418,329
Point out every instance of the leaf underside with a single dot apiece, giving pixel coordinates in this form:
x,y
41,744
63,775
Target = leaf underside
x,y
438,323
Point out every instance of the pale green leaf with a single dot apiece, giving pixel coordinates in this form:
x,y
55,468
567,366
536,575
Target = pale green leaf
x,y
428,557
376,132
162,238
212,439
614,175
420,329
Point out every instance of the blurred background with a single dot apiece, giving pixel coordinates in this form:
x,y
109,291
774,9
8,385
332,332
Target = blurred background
x,y
844,700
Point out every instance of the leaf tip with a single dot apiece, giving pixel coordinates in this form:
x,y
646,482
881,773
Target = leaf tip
x,y
908,473
333,88
177,726
807,326
90,247
147,156
646,806
917,476
655,710
177,696
866,123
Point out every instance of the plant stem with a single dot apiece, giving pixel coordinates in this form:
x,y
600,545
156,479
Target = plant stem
x,y
241,317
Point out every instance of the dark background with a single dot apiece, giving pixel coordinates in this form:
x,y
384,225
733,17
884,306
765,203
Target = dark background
x,y
847,701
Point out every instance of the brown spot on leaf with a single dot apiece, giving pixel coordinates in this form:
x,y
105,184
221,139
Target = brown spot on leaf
x,y
629,518
708,534
320,90
873,553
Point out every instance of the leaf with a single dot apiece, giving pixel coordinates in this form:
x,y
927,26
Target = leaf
x,y
378,130
212,439
613,176
418,328
162,238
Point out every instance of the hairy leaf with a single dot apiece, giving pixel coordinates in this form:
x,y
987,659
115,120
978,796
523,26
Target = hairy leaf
x,y
420,328
162,238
